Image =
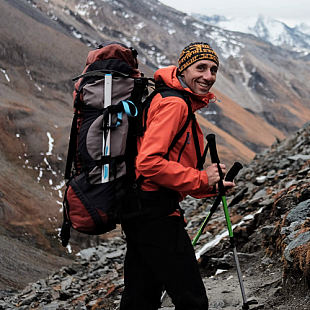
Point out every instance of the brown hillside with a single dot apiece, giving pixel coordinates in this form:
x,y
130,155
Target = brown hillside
x,y
239,127
229,149
254,129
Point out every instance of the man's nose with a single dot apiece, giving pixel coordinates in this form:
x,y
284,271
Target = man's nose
x,y
207,75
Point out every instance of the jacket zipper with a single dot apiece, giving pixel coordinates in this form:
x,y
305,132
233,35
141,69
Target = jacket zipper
x,y
183,147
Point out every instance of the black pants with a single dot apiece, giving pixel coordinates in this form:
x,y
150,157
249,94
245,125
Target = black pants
x,y
154,260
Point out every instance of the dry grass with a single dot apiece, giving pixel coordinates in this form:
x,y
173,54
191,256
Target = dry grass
x,y
301,259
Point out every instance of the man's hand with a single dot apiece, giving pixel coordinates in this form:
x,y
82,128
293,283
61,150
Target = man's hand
x,y
214,176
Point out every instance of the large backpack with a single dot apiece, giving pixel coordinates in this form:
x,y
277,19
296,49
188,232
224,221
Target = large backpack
x,y
108,117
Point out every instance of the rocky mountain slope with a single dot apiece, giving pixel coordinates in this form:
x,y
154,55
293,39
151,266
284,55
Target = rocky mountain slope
x,y
271,224
43,44
261,77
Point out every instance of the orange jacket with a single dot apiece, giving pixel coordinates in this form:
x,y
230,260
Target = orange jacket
x,y
165,118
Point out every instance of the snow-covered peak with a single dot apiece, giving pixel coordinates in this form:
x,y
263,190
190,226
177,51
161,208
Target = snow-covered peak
x,y
304,28
228,23
266,28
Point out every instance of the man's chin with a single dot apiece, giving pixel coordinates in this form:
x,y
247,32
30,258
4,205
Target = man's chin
x,y
203,92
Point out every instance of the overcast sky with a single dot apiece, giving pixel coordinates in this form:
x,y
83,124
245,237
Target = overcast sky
x,y
291,12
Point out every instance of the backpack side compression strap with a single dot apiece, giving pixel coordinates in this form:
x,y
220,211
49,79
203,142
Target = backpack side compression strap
x,y
72,146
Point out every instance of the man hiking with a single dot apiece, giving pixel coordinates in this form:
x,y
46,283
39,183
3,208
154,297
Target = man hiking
x,y
159,250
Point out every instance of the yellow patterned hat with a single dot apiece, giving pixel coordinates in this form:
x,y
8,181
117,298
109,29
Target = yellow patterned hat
x,y
194,52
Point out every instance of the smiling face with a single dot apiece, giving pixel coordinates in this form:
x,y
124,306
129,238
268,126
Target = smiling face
x,y
200,76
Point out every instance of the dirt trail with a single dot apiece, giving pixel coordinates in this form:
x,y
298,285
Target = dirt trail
x,y
263,286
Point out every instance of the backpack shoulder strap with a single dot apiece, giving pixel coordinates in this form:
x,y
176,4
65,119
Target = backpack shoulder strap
x,y
200,159
166,91
190,116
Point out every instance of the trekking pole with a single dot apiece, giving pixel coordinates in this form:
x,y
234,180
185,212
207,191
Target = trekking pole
x,y
106,134
234,170
215,159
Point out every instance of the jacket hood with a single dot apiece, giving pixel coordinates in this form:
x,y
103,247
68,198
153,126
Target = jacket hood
x,y
168,75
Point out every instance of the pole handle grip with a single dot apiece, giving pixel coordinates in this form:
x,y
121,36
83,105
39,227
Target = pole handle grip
x,y
212,147
234,170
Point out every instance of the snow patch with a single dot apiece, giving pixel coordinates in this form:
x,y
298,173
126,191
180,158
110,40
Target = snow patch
x,y
199,26
184,22
171,31
77,34
140,25
29,74
40,175
37,86
209,112
126,42
6,75
50,144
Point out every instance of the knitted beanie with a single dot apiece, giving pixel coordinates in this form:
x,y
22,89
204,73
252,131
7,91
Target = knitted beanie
x,y
194,52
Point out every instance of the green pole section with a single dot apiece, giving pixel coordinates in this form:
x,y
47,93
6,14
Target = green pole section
x,y
202,227
230,231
